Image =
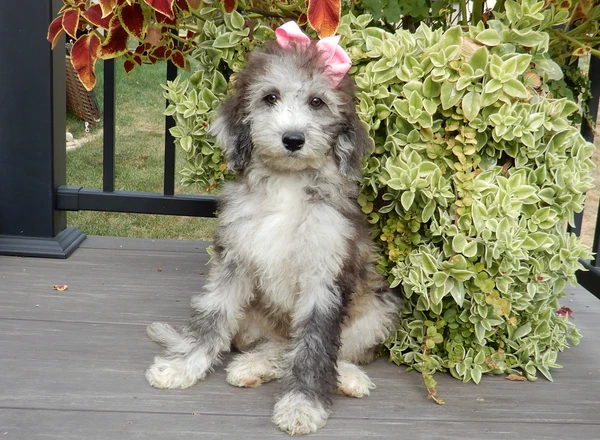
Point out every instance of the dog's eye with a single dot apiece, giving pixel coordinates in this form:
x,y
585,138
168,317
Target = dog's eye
x,y
270,99
316,102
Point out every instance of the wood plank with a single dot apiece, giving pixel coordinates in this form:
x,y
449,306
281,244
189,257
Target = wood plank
x,y
77,425
100,367
103,287
580,301
145,244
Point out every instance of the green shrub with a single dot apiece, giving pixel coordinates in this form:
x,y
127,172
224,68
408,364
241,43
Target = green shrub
x,y
476,173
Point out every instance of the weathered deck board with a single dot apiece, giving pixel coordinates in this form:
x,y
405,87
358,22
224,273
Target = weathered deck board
x,y
166,426
72,363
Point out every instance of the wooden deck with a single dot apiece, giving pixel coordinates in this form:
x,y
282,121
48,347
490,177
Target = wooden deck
x,y
72,364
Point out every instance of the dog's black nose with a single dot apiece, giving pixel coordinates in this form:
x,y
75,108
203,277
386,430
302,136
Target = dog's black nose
x,y
293,141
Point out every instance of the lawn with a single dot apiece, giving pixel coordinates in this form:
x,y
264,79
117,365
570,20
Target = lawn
x,y
139,160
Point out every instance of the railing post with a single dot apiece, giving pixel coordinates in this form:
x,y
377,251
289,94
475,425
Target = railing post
x,y
32,133
591,276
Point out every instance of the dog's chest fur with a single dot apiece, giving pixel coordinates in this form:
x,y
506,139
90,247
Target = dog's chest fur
x,y
283,230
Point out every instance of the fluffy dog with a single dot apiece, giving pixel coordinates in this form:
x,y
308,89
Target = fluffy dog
x,y
293,285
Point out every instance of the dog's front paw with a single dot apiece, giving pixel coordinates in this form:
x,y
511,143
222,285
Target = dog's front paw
x,y
251,370
352,381
296,414
174,373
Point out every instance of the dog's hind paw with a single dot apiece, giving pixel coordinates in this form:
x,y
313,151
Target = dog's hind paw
x,y
352,381
296,414
251,370
173,373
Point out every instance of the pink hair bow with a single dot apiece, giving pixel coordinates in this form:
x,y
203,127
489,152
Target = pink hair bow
x,y
336,59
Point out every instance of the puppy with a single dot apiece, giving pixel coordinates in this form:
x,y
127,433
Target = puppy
x,y
293,285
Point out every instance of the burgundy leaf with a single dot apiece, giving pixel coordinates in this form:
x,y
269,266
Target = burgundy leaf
x,y
165,7
178,59
132,19
128,65
324,16
55,30
70,22
94,16
564,311
161,18
159,52
183,5
108,7
229,5
84,55
142,48
115,43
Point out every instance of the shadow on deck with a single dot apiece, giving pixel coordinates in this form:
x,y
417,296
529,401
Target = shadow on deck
x,y
72,364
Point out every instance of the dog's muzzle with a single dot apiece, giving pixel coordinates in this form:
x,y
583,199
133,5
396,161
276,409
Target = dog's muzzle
x,y
293,141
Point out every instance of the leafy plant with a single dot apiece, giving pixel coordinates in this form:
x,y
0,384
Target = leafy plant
x,y
467,190
476,173
163,29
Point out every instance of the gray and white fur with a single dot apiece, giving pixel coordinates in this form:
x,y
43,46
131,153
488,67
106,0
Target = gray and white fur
x,y
293,285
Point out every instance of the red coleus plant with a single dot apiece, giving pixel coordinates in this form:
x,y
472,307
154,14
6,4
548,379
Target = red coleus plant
x,y
104,30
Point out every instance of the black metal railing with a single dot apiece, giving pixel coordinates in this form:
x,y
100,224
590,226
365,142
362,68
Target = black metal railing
x,y
72,198
590,279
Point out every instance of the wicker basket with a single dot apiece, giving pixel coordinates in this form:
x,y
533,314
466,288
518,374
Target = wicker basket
x,y
81,102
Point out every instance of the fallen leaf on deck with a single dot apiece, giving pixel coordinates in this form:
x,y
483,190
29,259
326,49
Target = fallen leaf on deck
x,y
60,287
564,311
516,377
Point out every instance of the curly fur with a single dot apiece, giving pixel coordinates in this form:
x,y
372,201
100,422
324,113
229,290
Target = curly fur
x,y
293,284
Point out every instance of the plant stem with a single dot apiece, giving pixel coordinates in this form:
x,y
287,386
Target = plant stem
x,y
573,41
582,28
289,8
463,12
98,34
178,38
499,6
477,11
266,13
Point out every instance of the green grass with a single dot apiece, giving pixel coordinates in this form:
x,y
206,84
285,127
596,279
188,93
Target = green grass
x,y
139,159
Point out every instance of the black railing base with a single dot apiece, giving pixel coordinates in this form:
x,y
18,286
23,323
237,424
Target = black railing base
x,y
61,246
589,278
76,198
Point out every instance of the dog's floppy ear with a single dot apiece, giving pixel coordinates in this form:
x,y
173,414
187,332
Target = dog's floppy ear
x,y
233,131
353,143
